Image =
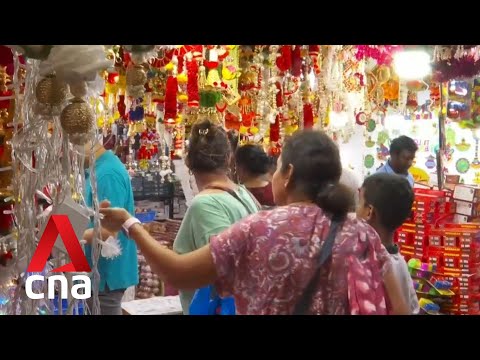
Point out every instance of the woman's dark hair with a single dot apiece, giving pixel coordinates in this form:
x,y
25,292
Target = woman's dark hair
x,y
233,136
209,148
253,159
316,171
272,166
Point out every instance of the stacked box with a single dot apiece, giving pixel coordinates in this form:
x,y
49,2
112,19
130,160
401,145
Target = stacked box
x,y
467,201
429,208
458,256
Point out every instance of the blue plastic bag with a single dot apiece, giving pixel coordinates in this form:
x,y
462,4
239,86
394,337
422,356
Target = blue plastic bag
x,y
207,302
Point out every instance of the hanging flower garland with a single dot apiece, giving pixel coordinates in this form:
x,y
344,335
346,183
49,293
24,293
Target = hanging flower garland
x,y
382,54
455,62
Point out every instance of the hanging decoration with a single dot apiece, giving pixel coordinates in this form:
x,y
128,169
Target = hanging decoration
x,y
142,101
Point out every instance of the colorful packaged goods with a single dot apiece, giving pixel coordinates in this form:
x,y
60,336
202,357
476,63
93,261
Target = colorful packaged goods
x,y
432,286
428,307
450,273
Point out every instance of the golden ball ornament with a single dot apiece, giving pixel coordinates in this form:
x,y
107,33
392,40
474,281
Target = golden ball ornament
x,y
77,120
136,76
51,91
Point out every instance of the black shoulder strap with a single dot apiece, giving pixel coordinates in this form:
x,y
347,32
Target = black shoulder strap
x,y
303,305
254,199
231,192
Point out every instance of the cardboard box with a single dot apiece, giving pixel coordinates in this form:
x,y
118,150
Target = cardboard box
x,y
452,179
468,208
467,193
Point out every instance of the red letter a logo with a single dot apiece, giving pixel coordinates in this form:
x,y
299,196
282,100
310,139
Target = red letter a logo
x,y
59,225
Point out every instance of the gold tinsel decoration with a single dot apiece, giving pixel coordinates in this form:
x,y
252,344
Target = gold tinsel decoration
x,y
4,79
51,91
136,76
77,120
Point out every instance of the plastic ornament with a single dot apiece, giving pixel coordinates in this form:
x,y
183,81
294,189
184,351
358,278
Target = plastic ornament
x,y
113,78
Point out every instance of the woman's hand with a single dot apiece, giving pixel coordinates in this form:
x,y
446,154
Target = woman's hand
x,y
113,218
105,234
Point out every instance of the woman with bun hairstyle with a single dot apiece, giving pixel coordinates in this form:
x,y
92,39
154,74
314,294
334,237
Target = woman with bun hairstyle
x,y
219,203
252,164
275,262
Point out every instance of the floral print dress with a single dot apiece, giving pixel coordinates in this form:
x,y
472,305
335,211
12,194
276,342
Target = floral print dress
x,y
267,260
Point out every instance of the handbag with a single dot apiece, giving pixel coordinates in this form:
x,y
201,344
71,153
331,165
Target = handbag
x,y
206,300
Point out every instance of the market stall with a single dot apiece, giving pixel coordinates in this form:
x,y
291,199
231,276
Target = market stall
x,y
141,101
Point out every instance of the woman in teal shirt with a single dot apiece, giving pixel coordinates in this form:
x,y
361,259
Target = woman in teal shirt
x,y
220,202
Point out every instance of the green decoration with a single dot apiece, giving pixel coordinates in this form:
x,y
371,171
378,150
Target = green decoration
x,y
369,161
209,98
369,143
450,136
462,165
382,138
371,125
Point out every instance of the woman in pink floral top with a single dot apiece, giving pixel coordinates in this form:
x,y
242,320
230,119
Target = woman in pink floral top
x,y
267,260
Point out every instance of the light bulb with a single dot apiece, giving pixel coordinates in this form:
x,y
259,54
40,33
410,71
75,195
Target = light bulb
x,y
412,64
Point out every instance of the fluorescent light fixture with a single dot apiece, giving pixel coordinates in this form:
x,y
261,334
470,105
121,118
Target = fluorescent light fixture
x,y
412,64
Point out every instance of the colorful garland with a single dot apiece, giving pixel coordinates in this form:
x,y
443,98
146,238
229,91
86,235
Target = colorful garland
x,y
383,54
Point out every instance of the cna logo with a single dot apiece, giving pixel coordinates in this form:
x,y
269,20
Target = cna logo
x,y
59,225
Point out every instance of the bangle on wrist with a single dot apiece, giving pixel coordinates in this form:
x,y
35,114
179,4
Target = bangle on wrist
x,y
127,225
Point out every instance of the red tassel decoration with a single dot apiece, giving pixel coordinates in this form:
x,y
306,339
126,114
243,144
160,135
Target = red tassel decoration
x,y
275,129
180,64
192,84
307,116
279,94
171,98
314,52
197,52
284,62
121,106
296,61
